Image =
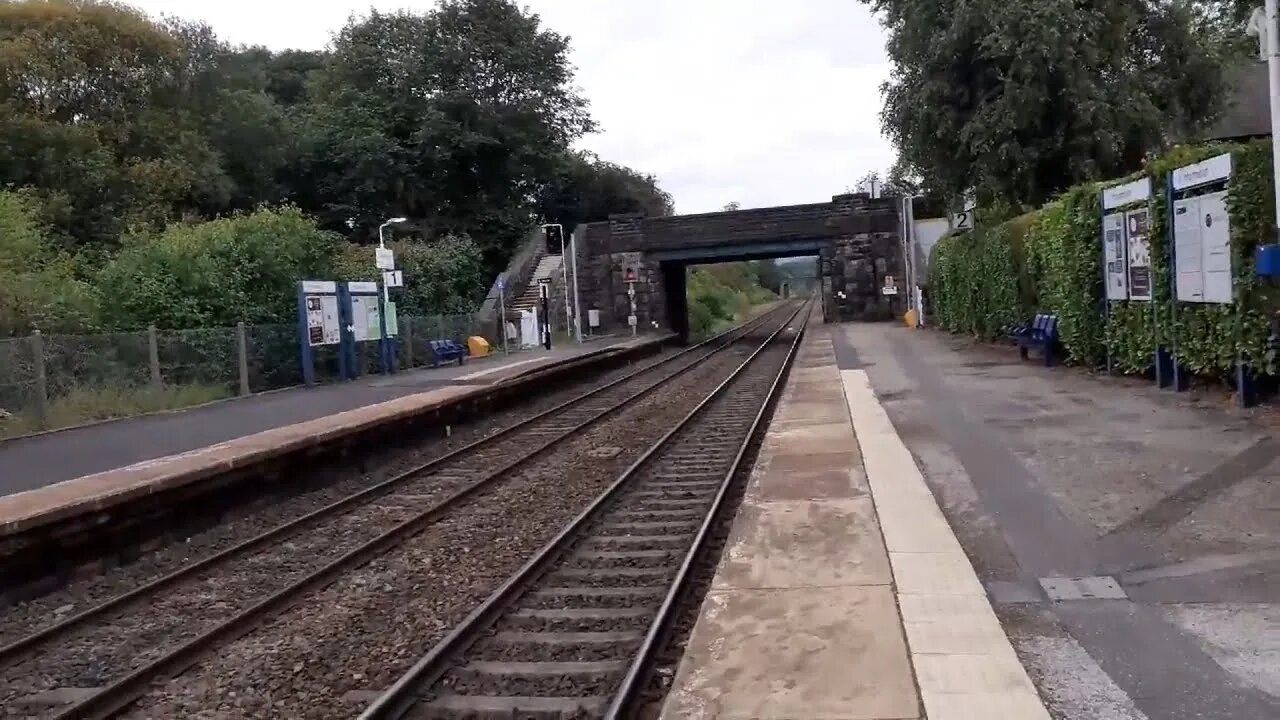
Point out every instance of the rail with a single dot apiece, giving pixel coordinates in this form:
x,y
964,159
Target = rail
x,y
124,690
401,698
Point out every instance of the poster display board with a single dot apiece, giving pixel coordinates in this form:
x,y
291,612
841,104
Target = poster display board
x,y
1137,233
1202,249
1115,256
1125,245
323,327
366,320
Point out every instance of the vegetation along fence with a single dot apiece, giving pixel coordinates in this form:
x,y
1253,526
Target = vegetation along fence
x,y
1050,260
54,380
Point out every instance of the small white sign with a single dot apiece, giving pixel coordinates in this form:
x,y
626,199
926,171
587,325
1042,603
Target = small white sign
x,y
890,286
319,287
362,287
962,220
1211,170
1137,191
593,318
631,320
544,281
384,259
393,278
631,289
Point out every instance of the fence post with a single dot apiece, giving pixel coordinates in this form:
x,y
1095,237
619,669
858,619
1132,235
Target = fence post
x,y
153,343
42,381
406,329
242,350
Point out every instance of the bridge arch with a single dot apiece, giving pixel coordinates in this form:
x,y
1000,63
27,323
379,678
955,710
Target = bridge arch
x,y
856,238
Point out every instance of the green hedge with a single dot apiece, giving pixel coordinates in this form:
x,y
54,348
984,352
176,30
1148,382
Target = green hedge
x,y
1050,261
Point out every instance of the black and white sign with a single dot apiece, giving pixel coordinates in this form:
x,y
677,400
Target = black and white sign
x,y
1202,249
322,320
1137,228
890,286
1202,173
384,259
962,220
1114,256
393,278
1137,191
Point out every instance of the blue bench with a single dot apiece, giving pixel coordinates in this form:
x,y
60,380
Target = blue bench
x,y
1042,333
446,351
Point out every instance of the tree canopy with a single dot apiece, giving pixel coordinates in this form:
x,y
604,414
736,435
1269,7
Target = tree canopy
x,y
120,133
1018,101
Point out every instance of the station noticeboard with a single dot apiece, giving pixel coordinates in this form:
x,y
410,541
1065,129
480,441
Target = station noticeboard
x,y
1115,257
1202,232
323,322
1202,248
1138,229
1126,246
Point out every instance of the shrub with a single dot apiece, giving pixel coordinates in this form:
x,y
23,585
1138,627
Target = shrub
x,y
1053,264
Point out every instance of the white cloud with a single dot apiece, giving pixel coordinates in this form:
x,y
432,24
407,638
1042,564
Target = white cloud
x,y
765,103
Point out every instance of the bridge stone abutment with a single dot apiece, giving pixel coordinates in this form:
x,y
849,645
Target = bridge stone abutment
x,y
856,237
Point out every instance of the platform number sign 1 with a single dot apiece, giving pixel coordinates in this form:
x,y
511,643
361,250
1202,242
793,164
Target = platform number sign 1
x,y
962,220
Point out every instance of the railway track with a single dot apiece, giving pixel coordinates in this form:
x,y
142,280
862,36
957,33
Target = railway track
x,y
571,633
159,629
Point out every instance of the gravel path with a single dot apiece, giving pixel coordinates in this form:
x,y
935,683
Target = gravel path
x,y
360,633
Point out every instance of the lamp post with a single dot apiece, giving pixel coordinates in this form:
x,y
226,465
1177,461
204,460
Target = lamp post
x,y
384,344
382,244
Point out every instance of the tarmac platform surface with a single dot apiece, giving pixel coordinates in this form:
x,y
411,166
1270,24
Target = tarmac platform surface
x,y
37,461
842,593
935,528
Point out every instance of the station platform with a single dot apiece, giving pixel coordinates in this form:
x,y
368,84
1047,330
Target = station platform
x,y
58,474
35,461
842,591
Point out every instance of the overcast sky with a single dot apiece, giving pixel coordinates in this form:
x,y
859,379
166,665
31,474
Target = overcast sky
x,y
754,101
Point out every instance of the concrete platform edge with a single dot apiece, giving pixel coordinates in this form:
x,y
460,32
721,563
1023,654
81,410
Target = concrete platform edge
x,y
24,511
965,665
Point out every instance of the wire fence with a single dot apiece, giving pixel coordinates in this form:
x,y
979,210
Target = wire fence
x,y
51,381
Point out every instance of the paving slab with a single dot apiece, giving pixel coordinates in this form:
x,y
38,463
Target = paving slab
x,y
801,620
1128,533
965,665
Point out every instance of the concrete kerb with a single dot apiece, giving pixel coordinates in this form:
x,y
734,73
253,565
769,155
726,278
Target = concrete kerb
x,y
963,662
100,492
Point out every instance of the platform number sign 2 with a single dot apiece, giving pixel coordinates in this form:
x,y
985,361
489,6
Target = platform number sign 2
x,y
962,220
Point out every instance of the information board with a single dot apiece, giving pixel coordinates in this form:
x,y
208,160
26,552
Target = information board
x,y
322,320
1138,228
1202,247
366,323
1114,256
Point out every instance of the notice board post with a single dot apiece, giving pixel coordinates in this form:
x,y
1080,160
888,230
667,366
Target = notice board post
x,y
1201,263
319,324
1126,250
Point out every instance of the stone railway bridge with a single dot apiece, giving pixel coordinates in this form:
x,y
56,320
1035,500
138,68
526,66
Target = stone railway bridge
x,y
856,238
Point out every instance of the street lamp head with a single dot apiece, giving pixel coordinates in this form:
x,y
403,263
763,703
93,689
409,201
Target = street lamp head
x,y
397,221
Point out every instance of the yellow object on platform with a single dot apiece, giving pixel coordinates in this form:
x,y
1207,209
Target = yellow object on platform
x,y
910,318
477,346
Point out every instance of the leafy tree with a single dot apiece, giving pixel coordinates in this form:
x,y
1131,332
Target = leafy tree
x,y
38,285
1021,100
586,189
464,114
216,273
444,277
